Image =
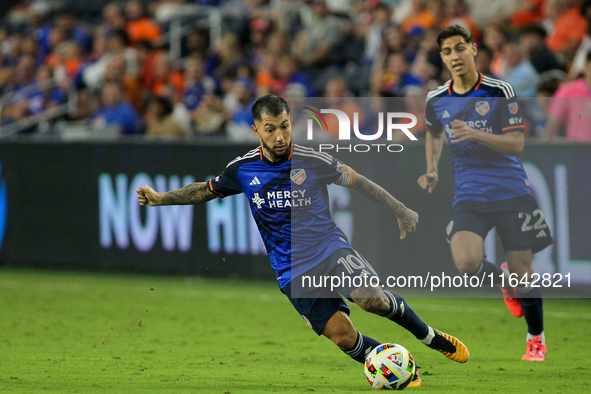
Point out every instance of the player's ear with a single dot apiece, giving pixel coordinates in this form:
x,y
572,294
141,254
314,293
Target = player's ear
x,y
256,131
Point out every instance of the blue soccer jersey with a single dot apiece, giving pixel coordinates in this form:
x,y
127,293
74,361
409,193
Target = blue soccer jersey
x,y
481,174
289,202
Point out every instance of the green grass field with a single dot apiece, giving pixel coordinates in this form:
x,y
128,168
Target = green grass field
x,y
72,332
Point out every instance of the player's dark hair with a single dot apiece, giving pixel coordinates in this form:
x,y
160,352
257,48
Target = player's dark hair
x,y
454,30
269,104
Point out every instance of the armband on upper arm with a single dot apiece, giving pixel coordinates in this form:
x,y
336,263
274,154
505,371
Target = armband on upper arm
x,y
348,177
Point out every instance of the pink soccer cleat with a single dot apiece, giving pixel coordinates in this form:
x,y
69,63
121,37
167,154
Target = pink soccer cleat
x,y
510,296
536,350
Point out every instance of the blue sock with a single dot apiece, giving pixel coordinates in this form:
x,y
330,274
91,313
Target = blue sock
x,y
402,314
363,345
533,311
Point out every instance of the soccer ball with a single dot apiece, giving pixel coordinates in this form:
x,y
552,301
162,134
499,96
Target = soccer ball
x,y
389,366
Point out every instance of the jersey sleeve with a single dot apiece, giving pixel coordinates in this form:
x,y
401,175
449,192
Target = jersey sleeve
x,y
226,184
511,115
329,170
434,126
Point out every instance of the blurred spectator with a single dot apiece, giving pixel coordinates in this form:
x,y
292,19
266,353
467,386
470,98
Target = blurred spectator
x,y
421,17
160,121
146,60
277,44
535,49
456,13
34,91
165,73
578,63
424,69
67,62
569,27
195,44
316,45
394,41
226,57
29,46
117,72
494,37
283,72
209,118
529,12
117,44
66,21
571,106
116,111
25,72
113,19
139,26
259,30
482,11
519,72
197,84
179,111
39,25
374,31
44,95
394,77
483,61
237,105
338,97
288,74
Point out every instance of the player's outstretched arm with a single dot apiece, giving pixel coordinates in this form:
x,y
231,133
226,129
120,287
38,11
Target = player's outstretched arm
x,y
195,193
407,218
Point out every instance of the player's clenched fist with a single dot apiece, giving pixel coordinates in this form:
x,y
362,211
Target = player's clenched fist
x,y
408,221
428,181
147,196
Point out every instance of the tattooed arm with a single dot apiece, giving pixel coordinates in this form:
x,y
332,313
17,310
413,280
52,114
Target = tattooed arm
x,y
195,193
407,218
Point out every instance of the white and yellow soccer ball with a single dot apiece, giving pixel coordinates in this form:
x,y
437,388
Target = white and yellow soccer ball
x,y
389,366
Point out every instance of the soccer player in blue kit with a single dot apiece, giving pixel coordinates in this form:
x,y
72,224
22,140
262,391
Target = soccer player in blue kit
x,y
286,186
484,126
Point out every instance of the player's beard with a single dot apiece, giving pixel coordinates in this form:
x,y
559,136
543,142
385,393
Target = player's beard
x,y
276,156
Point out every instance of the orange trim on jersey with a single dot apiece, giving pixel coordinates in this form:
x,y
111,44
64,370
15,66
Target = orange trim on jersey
x,y
261,152
513,127
479,82
290,153
475,87
211,188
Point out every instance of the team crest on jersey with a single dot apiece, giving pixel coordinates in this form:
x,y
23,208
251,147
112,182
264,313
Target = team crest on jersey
x,y
513,108
482,107
298,175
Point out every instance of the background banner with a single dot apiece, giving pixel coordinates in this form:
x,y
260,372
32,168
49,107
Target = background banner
x,y
72,205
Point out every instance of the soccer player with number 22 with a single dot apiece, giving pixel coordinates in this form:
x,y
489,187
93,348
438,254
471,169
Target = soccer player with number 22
x,y
484,126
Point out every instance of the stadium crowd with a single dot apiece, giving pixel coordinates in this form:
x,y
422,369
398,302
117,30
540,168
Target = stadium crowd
x,y
116,60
